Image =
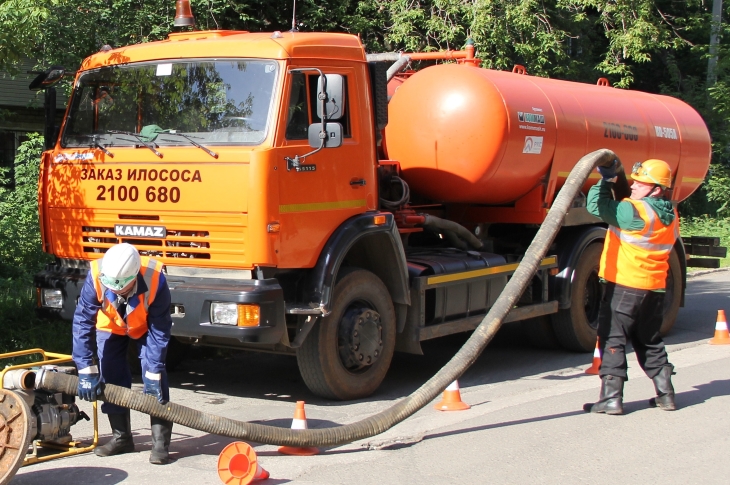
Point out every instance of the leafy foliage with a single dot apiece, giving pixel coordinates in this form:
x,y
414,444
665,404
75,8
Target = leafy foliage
x,y
21,256
20,243
22,328
20,21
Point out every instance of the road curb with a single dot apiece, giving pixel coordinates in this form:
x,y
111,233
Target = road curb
x,y
694,274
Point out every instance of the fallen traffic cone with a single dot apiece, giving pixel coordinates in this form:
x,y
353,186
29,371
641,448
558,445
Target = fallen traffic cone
x,y
299,422
593,369
238,465
451,400
722,337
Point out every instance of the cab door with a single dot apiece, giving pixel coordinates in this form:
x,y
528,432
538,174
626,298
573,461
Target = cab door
x,y
332,184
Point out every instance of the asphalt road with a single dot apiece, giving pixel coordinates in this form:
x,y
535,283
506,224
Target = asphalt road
x,y
525,425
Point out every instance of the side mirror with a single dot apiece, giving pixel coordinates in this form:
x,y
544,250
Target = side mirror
x,y
335,96
47,79
333,138
44,82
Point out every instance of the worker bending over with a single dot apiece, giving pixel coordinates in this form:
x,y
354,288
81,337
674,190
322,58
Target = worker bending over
x,y
124,297
642,230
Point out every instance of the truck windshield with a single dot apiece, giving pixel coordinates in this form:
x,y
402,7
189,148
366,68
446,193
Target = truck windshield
x,y
212,102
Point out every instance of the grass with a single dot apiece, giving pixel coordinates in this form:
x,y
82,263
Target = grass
x,y
708,226
21,328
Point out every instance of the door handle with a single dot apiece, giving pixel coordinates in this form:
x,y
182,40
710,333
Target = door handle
x,y
356,182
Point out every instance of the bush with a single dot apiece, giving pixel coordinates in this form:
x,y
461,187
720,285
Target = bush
x,y
20,327
708,226
21,256
21,253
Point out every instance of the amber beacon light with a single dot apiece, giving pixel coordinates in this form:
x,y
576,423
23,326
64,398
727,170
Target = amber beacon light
x,y
183,14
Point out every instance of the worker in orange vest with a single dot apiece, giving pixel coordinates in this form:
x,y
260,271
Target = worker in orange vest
x,y
642,230
125,298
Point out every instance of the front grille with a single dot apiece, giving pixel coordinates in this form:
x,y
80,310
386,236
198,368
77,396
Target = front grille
x,y
178,244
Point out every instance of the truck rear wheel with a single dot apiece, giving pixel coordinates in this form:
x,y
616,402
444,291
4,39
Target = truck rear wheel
x,y
673,296
576,327
347,354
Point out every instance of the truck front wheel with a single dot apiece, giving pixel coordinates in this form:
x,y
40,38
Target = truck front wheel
x,y
347,353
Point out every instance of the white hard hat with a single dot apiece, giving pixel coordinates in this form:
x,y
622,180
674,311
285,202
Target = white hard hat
x,y
119,266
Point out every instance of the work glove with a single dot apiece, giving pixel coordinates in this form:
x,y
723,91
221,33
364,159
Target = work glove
x,y
153,385
609,173
89,385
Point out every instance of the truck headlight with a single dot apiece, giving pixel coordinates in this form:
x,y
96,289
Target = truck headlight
x,y
51,298
224,313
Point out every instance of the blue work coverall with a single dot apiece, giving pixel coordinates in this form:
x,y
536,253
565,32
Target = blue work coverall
x,y
111,349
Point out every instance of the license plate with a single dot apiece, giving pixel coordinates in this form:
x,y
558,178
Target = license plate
x,y
133,230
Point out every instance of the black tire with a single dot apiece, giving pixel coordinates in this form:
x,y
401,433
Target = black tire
x,y
673,296
576,327
325,356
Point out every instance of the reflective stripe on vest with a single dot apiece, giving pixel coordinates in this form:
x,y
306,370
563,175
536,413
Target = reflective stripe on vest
x,y
639,259
134,324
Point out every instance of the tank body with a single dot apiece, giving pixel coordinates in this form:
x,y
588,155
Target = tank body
x,y
472,135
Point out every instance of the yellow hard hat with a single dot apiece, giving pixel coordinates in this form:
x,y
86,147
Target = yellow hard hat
x,y
653,171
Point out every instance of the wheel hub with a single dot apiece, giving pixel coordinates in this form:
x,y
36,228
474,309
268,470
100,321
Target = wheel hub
x,y
15,424
360,338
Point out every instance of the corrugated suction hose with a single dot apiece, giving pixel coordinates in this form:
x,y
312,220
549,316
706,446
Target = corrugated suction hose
x,y
404,408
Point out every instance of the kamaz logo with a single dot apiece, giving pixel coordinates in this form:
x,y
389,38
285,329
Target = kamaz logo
x,y
126,230
530,118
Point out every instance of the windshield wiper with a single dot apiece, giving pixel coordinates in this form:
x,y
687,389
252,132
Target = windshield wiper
x,y
194,143
95,144
138,137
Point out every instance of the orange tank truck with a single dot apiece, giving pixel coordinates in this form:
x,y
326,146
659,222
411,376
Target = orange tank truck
x,y
253,166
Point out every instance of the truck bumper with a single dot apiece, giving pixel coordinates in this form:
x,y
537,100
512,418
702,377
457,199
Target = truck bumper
x,y
190,306
192,297
66,279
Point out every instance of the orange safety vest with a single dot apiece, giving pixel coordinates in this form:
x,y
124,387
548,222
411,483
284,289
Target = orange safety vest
x,y
135,323
639,259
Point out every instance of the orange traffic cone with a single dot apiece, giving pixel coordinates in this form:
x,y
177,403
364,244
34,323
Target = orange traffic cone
x,y
238,465
451,400
593,369
722,337
299,422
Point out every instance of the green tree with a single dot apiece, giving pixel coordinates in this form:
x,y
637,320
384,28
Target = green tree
x,y
20,21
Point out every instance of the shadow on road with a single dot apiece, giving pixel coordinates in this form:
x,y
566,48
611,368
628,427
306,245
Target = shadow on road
x,y
72,476
185,445
702,393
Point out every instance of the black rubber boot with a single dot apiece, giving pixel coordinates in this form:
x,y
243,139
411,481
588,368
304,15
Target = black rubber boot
x,y
664,390
121,441
161,435
611,399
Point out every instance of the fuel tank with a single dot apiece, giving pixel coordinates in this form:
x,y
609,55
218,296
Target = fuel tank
x,y
472,135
